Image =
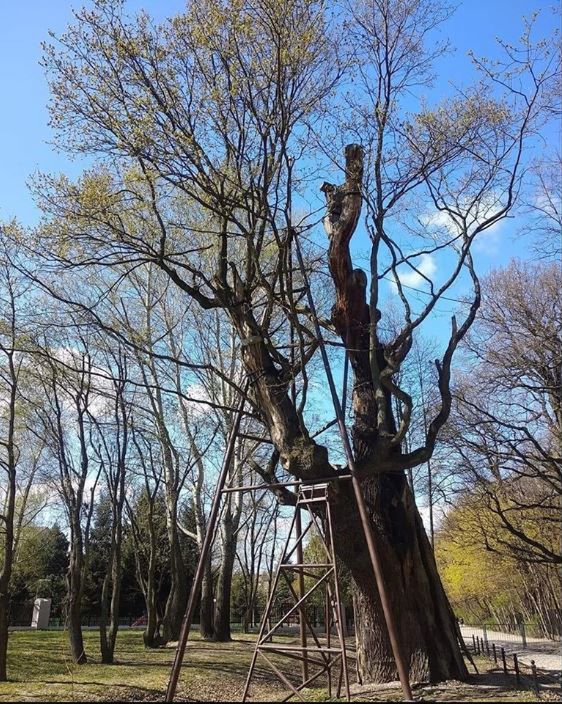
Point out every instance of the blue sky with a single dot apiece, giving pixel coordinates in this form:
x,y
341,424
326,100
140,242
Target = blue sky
x,y
25,136
24,133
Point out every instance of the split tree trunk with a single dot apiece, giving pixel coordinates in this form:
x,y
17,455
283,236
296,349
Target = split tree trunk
x,y
426,626
424,618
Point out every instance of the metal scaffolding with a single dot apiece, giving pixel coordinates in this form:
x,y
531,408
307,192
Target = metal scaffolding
x,y
313,652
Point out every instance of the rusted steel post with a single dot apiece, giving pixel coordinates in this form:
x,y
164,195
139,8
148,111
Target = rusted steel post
x,y
302,615
516,668
339,611
328,637
207,542
401,666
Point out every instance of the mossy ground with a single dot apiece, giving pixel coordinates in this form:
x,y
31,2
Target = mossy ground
x,y
40,669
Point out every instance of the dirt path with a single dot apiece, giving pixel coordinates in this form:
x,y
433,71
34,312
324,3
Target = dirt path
x,y
546,653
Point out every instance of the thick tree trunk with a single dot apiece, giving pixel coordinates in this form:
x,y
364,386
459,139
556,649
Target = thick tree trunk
x,y
224,584
175,605
4,606
206,609
426,623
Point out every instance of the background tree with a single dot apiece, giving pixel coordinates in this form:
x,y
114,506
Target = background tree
x,y
544,205
112,445
490,586
66,380
18,461
40,566
507,425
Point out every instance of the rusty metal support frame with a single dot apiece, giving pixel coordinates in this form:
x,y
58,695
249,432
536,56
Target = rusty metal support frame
x,y
403,670
325,656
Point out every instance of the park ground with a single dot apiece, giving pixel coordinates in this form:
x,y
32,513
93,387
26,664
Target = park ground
x,y
41,669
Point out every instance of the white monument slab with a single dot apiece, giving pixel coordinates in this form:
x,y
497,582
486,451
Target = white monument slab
x,y
41,614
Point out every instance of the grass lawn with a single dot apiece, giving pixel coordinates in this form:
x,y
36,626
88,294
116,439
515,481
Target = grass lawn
x,y
40,669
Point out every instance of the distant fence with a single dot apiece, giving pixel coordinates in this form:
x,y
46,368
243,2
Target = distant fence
x,y
518,634
525,677
21,613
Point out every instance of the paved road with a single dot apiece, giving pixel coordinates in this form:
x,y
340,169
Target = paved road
x,y
546,653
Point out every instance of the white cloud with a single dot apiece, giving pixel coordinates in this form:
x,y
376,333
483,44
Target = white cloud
x,y
198,400
424,266
440,220
476,213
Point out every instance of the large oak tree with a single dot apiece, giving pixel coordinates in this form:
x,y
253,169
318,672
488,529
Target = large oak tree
x,y
209,131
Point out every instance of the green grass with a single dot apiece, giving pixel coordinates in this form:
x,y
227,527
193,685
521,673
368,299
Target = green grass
x,y
40,669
